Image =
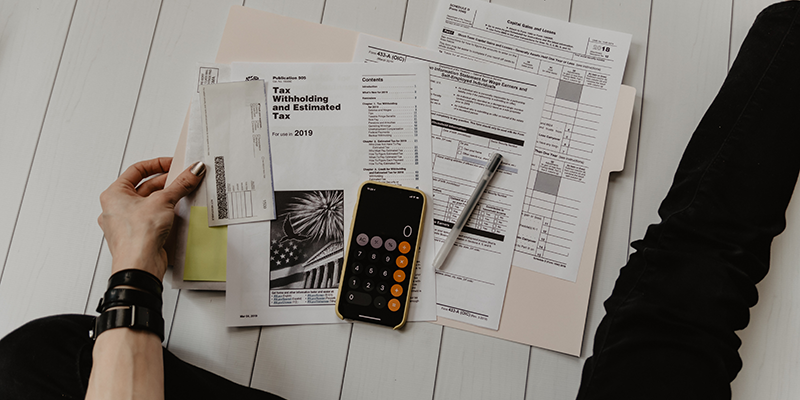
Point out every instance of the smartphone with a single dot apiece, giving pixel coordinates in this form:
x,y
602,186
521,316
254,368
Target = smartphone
x,y
381,256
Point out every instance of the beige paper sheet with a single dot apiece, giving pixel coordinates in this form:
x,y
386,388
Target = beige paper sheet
x,y
539,310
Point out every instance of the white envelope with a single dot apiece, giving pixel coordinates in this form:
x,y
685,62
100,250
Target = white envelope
x,y
237,153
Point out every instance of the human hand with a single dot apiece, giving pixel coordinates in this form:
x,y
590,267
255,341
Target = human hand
x,y
136,220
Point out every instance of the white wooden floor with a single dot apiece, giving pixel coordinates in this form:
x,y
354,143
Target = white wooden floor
x,y
88,87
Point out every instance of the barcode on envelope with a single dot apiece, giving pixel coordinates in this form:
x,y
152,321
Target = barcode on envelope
x,y
222,195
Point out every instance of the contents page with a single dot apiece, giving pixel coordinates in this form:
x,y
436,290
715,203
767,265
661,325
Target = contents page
x,y
583,67
476,110
332,127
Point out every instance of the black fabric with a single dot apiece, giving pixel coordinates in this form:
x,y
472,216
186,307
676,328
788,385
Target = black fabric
x,y
669,328
51,358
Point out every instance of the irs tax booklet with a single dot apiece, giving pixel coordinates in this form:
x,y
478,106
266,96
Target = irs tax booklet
x,y
331,127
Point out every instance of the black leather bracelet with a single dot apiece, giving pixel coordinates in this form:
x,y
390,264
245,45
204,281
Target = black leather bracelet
x,y
129,297
133,317
136,278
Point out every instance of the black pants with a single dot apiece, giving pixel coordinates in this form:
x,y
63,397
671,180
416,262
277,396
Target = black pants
x,y
51,358
669,326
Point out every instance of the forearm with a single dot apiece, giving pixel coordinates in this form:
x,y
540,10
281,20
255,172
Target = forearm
x,y
128,364
137,216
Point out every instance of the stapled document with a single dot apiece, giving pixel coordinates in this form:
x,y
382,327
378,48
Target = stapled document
x,y
584,68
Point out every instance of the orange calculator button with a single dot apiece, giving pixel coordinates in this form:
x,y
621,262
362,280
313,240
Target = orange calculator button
x,y
401,261
399,275
394,304
404,247
397,290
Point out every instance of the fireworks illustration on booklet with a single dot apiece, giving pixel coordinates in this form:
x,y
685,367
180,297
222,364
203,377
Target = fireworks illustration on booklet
x,y
307,240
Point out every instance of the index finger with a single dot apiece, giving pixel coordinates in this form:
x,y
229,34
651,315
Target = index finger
x,y
143,169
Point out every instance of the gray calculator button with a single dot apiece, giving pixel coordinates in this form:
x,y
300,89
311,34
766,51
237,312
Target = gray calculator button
x,y
369,285
362,239
379,302
353,282
358,298
357,268
382,287
390,245
376,242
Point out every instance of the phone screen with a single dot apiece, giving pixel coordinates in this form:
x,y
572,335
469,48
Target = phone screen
x,y
381,253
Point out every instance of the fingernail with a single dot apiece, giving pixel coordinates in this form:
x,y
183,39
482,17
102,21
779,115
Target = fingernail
x,y
198,169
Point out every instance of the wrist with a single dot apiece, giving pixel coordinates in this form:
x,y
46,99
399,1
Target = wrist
x,y
136,338
129,317
132,300
155,265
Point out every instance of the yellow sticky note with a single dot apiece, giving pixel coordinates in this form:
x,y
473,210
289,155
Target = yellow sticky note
x,y
206,249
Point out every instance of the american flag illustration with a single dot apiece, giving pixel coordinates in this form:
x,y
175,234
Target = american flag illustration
x,y
306,245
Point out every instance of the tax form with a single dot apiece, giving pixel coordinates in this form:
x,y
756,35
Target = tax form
x,y
332,127
584,68
476,110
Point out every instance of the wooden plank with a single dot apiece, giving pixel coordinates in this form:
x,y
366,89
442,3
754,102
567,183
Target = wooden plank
x,y
186,32
687,60
57,241
473,366
552,376
302,361
770,348
382,18
388,364
558,9
32,37
309,10
199,336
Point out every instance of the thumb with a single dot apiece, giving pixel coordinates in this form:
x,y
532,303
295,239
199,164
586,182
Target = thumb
x,y
185,183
